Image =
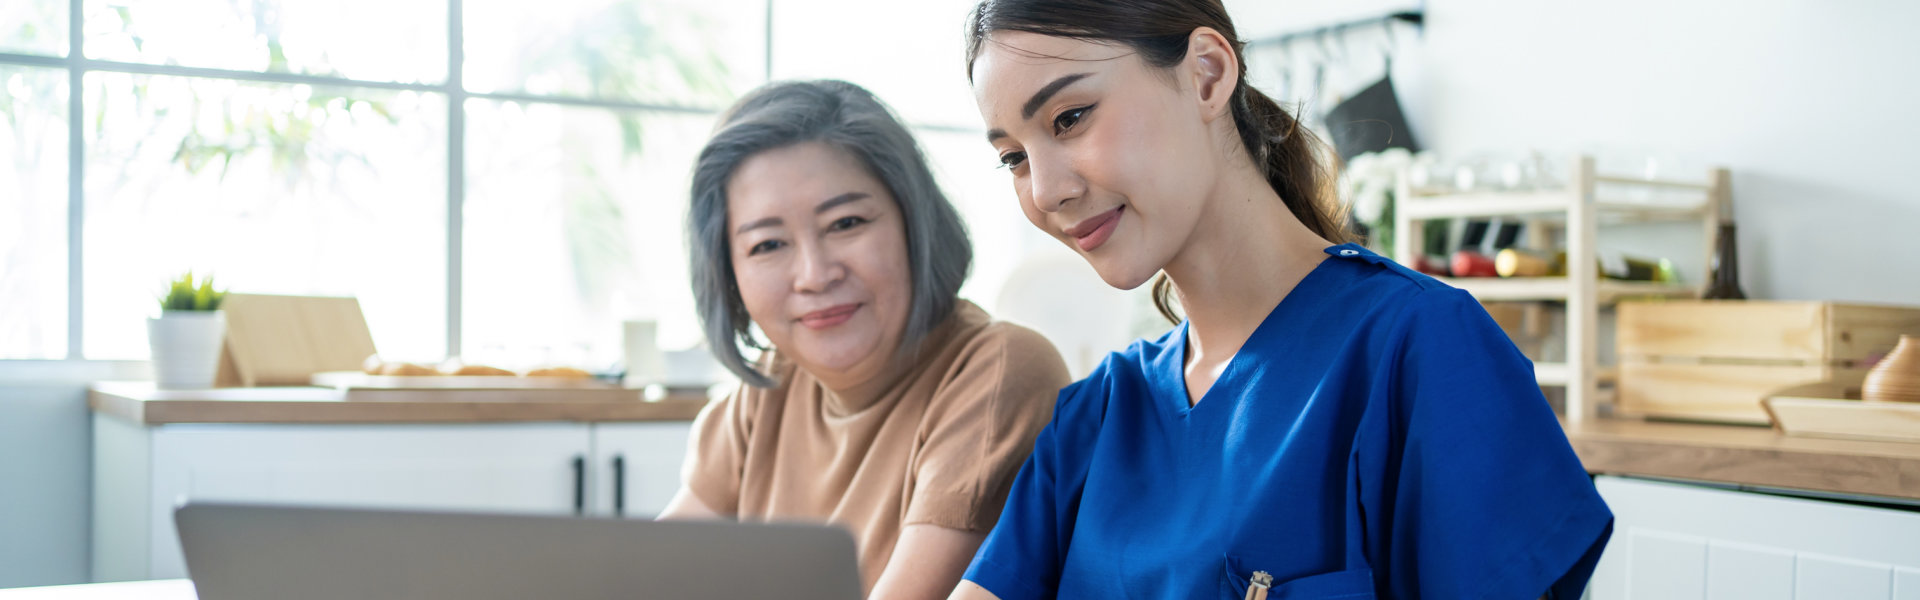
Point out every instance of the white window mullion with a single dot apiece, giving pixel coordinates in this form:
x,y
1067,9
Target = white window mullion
x,y
76,179
456,169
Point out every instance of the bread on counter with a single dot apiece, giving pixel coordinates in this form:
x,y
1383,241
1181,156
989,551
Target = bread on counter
x,y
482,371
568,372
407,370
374,365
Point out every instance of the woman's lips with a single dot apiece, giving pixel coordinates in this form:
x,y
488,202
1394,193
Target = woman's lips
x,y
1091,233
828,317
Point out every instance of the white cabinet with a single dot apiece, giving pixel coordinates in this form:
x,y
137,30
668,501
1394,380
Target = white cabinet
x,y
142,473
636,467
1688,542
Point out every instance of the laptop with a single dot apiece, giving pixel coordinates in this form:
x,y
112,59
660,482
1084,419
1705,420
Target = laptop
x,y
251,552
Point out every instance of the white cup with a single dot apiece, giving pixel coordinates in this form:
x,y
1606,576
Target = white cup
x,y
645,365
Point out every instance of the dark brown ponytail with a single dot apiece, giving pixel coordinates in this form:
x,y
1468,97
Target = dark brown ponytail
x,y
1288,154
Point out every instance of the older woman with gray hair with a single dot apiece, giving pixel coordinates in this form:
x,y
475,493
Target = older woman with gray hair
x,y
881,401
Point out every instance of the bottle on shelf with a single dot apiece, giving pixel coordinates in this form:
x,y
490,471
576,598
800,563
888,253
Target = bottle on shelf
x,y
1468,261
1505,237
1515,262
1726,267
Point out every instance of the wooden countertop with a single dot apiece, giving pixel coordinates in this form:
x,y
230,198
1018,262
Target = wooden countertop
x,y
139,402
1730,454
1751,456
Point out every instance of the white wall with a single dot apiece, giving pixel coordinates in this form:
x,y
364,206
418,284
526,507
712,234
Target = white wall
x,y
1810,103
46,466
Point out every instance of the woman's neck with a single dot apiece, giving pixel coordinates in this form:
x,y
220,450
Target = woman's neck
x,y
1245,254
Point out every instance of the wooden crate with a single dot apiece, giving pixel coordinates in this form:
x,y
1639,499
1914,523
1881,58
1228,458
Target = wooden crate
x,y
1715,360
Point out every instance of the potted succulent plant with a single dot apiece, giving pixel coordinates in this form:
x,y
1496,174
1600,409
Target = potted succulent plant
x,y
187,336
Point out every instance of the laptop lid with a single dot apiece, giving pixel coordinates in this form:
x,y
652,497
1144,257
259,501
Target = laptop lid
x,y
237,551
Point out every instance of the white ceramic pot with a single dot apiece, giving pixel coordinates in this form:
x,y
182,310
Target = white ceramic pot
x,y
186,347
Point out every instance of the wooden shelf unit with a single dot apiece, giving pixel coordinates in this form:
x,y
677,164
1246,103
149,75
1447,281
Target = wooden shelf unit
x,y
1577,209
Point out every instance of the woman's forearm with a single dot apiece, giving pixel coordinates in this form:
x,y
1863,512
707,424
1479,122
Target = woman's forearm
x,y
927,561
686,507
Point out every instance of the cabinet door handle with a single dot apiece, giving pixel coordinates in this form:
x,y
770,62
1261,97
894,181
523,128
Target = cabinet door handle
x,y
579,484
619,485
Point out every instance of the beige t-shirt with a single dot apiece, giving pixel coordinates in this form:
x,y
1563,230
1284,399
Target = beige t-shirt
x,y
936,442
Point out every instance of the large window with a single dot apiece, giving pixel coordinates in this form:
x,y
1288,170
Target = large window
x,y
498,179
33,211
493,178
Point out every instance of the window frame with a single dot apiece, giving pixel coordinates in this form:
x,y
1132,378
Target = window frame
x,y
452,88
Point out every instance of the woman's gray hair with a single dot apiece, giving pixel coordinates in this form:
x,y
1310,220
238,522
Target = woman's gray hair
x,y
843,116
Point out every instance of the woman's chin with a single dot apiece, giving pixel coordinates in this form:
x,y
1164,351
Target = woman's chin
x,y
1120,273
830,357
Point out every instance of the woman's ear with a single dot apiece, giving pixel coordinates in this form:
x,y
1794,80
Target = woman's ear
x,y
1215,71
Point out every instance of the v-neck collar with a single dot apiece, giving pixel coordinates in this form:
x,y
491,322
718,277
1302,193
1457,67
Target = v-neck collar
x,y
1169,384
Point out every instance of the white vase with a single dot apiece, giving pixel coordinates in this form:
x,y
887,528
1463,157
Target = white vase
x,y
186,347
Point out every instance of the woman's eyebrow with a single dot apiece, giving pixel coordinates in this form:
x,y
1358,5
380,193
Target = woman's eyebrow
x,y
1046,93
823,207
839,200
1039,99
767,222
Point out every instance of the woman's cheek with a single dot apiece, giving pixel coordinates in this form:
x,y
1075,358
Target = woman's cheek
x,y
760,291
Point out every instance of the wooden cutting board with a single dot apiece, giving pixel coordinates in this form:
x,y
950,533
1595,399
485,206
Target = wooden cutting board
x,y
284,340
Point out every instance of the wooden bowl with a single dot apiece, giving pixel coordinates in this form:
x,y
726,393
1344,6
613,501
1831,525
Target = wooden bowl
x,y
1897,377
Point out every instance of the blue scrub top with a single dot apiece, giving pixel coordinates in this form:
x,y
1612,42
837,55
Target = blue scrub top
x,y
1377,436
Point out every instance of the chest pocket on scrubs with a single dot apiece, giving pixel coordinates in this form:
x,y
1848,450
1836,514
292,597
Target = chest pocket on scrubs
x,y
1354,583
1351,584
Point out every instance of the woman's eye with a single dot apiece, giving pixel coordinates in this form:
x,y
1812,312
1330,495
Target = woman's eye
x,y
845,223
1012,159
764,247
1068,119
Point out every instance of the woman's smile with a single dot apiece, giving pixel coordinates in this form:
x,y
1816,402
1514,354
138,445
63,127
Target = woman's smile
x,y
831,316
1094,232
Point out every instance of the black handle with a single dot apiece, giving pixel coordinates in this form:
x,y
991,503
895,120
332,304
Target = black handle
x,y
579,484
619,485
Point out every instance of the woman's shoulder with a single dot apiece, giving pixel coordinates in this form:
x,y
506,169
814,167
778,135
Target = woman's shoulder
x,y
1389,297
1381,281
1121,376
1020,353
991,371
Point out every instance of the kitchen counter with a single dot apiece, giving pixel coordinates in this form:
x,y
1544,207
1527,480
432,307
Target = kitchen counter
x,y
1748,456
140,403
1729,454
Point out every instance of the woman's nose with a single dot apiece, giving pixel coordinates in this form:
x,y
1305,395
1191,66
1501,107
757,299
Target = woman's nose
x,y
820,269
1053,183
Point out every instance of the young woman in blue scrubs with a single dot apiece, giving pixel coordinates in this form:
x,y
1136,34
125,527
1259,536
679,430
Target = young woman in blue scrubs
x,y
1324,423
